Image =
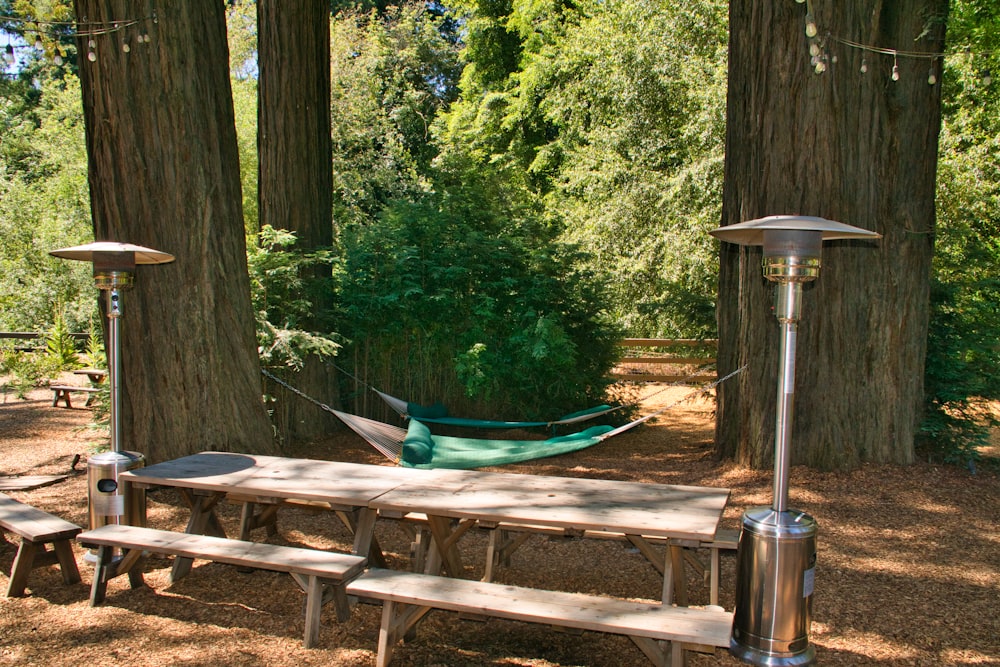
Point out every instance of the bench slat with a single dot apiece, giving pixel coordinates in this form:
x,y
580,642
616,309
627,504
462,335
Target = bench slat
x,y
321,574
32,523
309,562
574,610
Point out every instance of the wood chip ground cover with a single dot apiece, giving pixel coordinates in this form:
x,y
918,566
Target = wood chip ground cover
x,y
908,566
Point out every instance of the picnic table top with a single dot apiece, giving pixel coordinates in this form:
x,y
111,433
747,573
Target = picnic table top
x,y
688,512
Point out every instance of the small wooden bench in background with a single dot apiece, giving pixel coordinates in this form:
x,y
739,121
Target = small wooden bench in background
x,y
37,529
407,597
321,574
61,392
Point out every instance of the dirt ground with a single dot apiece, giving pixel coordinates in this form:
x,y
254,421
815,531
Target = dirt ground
x,y
908,566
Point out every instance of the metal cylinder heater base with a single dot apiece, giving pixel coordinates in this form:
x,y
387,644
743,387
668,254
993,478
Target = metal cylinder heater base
x,y
775,572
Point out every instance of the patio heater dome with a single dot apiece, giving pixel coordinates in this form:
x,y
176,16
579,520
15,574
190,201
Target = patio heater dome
x,y
776,557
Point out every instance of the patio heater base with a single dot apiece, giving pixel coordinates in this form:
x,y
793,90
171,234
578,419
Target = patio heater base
x,y
775,570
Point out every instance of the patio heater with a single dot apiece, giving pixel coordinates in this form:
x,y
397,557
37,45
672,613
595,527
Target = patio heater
x,y
776,557
114,265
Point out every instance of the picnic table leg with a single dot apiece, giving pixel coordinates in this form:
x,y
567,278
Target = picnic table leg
x,y
680,581
445,543
362,525
203,521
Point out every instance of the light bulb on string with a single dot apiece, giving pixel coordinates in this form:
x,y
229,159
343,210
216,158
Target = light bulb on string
x,y
38,42
895,69
811,29
987,78
8,55
864,66
91,51
931,76
125,47
57,57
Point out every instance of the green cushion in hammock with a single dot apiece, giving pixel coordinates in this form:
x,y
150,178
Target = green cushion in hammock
x,y
450,452
418,446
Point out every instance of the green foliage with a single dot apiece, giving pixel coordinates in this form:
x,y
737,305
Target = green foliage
x,y
391,75
615,119
27,370
448,296
963,361
44,205
281,299
95,356
60,347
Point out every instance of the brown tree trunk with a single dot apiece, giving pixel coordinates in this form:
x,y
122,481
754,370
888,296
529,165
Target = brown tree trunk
x,y
164,173
295,171
858,148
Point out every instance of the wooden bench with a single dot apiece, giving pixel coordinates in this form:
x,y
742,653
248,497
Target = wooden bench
x,y
407,597
321,574
61,392
37,529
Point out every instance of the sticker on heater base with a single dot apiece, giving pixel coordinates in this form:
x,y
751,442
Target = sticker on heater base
x,y
109,505
808,582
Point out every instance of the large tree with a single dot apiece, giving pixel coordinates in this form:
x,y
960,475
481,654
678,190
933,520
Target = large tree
x,y
856,143
164,173
295,184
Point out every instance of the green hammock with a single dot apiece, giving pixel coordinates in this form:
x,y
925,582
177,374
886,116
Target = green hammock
x,y
438,414
422,449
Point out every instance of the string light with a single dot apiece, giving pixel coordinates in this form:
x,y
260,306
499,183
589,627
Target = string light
x,y
84,28
819,57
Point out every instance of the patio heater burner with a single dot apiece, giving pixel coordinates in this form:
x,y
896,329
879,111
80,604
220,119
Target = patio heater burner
x,y
114,264
776,557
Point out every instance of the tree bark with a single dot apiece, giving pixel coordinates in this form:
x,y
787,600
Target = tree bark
x,y
296,173
164,173
858,148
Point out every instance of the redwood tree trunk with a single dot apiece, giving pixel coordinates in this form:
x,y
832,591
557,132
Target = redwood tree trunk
x,y
858,148
164,173
295,182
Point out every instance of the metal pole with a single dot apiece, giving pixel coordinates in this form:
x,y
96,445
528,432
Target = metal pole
x,y
788,311
114,366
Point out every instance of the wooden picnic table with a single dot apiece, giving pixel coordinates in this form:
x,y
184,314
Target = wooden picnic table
x,y
95,375
583,506
452,500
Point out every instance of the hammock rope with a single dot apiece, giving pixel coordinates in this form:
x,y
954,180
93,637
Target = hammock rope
x,y
404,408
391,440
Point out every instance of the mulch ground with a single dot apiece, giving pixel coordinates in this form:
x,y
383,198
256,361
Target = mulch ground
x,y
908,564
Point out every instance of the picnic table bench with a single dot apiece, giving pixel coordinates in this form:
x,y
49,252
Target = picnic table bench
x,y
37,529
61,392
407,597
321,574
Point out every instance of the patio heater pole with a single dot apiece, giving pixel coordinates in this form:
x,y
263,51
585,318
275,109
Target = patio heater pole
x,y
776,557
114,265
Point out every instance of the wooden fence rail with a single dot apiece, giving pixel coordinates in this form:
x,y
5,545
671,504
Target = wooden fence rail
x,y
666,360
32,336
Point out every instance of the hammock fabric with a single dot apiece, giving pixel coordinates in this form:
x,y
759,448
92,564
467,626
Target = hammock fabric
x,y
422,449
438,414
